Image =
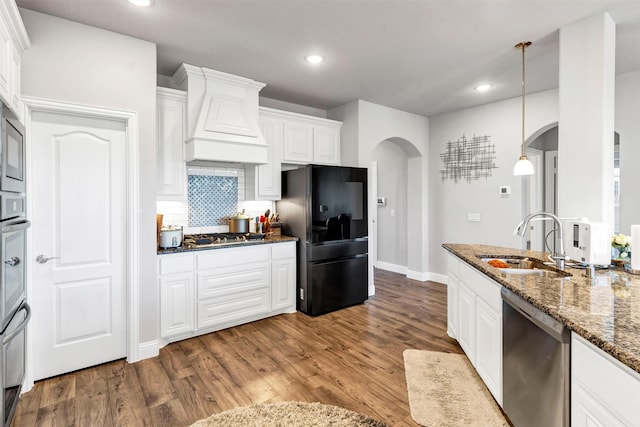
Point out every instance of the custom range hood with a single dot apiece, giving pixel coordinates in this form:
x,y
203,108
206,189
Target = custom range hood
x,y
222,116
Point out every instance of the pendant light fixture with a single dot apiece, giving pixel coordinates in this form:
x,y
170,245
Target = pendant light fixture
x,y
523,165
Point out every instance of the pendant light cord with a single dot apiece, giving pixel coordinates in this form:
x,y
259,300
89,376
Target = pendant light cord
x,y
523,46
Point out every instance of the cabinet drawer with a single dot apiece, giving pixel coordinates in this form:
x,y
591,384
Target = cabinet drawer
x,y
615,386
482,286
237,256
230,309
228,280
283,251
169,264
453,265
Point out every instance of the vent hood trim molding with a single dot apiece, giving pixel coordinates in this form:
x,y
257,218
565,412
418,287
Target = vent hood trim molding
x,y
222,112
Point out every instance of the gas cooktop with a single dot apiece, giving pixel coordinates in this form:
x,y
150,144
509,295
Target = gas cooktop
x,y
196,240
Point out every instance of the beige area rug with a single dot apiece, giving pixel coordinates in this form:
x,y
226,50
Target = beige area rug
x,y
289,414
445,390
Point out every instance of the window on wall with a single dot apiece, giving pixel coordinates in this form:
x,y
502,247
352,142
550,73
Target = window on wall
x,y
213,195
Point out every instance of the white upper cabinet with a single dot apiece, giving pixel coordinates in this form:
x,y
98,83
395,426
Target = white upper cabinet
x,y
308,139
171,132
263,181
13,41
6,59
326,145
298,143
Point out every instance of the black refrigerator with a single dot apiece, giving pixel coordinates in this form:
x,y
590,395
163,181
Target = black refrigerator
x,y
326,208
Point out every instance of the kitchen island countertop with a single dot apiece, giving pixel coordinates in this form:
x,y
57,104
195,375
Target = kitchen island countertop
x,y
604,310
269,240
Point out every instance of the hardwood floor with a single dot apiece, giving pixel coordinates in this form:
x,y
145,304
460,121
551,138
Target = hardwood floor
x,y
350,358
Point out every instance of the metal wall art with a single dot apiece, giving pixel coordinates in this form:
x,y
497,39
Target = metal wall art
x,y
468,159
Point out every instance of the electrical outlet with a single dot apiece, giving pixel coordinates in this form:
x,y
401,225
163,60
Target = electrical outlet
x,y
301,294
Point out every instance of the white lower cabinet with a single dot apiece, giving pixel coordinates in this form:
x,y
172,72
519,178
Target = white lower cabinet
x,y
176,295
467,321
205,291
604,391
452,305
283,277
488,351
475,320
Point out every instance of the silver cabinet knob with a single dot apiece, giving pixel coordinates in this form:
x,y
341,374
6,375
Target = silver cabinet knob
x,y
41,259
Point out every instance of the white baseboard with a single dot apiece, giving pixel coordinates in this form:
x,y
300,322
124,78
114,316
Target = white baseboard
x,y
394,268
149,349
436,277
413,275
417,275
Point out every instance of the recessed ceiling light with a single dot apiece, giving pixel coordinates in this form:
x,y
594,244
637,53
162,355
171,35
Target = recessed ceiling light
x,y
483,87
314,59
141,3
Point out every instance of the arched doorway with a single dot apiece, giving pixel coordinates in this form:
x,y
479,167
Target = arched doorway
x,y
399,176
540,189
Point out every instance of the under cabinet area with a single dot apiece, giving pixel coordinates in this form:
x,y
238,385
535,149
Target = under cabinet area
x,y
205,291
474,318
604,392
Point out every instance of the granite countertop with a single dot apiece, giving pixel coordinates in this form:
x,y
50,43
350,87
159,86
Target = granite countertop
x,y
191,248
604,310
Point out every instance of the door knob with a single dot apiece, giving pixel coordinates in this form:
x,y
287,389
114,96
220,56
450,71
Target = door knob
x,y
41,259
13,261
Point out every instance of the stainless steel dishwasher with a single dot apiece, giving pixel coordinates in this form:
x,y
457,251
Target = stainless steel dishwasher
x,y
535,365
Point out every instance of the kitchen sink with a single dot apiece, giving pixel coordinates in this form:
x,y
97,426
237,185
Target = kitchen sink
x,y
525,266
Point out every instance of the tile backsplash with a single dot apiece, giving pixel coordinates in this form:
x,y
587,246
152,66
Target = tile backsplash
x,y
213,195
212,199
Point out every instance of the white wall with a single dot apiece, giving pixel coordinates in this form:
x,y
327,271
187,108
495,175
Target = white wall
x,y
627,124
81,64
348,114
450,202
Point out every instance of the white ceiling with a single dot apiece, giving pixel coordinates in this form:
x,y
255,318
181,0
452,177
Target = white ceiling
x,y
421,56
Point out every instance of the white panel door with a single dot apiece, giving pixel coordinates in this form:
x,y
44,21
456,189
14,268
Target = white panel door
x,y
78,220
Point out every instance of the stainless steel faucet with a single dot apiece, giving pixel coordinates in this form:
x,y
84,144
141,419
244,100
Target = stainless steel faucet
x,y
559,255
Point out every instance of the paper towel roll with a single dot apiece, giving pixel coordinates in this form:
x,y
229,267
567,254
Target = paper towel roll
x,y
635,247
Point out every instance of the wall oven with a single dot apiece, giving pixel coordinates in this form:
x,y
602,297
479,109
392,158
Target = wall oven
x,y
12,175
12,362
12,272
14,310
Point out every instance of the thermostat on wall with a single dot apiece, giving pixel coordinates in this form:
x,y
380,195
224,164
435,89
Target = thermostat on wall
x,y
505,189
382,201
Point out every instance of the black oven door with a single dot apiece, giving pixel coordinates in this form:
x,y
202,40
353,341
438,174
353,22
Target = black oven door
x,y
12,361
12,273
13,161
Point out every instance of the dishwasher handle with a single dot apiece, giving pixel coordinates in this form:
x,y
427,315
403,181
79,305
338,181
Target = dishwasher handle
x,y
536,316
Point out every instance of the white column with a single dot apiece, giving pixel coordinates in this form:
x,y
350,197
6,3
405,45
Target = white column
x,y
585,132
